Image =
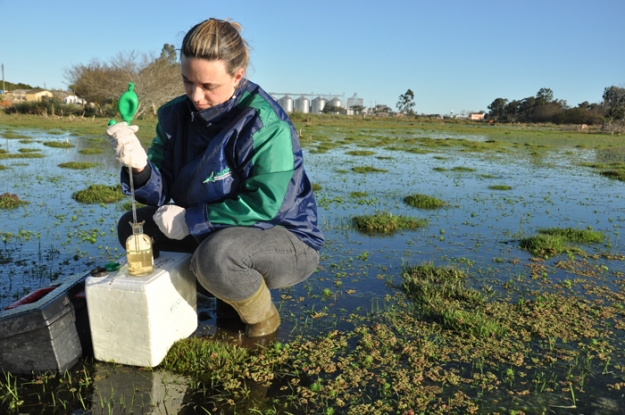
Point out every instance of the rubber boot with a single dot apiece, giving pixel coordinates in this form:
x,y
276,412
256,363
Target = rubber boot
x,y
259,314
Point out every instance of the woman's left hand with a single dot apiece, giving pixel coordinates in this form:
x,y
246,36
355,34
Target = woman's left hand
x,y
171,221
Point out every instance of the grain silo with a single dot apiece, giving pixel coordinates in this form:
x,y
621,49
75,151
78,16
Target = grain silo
x,y
286,102
302,104
317,105
335,102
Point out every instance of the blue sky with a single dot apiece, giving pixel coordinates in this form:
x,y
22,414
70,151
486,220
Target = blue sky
x,y
454,55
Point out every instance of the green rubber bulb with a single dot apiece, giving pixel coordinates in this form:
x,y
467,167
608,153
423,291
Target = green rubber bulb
x,y
127,105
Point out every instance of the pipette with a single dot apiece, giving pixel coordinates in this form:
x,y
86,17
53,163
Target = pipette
x,y
127,106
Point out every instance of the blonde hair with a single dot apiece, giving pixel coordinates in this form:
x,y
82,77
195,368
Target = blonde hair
x,y
216,39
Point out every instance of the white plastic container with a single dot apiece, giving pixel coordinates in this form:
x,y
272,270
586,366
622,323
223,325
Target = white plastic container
x,y
135,320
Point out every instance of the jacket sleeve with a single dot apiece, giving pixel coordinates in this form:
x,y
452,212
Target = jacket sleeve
x,y
154,192
263,191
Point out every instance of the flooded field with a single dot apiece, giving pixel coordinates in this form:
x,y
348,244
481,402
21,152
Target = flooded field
x,y
479,309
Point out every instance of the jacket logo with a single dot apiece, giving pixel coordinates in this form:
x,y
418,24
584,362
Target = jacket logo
x,y
220,175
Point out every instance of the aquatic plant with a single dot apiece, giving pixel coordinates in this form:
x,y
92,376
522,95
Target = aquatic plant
x,y
424,201
316,187
29,150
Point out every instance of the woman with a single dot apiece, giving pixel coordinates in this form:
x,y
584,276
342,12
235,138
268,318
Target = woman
x,y
228,159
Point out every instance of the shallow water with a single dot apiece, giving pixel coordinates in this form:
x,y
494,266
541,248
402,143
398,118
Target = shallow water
x,y
55,236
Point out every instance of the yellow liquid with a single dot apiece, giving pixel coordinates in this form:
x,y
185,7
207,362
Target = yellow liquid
x,y
139,255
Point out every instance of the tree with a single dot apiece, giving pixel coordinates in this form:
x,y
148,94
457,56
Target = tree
x,y
157,79
357,108
614,103
331,109
544,96
406,104
497,108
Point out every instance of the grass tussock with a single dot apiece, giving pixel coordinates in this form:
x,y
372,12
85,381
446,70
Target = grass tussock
x,y
10,201
58,144
462,169
360,153
13,135
28,155
77,165
424,201
614,174
90,151
500,187
553,241
386,222
99,193
368,169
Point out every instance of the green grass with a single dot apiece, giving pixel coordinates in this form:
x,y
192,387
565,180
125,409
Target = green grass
x,y
3,167
499,187
553,241
358,194
78,165
386,222
29,150
10,201
424,201
368,169
58,144
441,295
99,193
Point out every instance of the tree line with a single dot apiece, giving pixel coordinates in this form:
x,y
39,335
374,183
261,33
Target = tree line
x,y
156,77
545,108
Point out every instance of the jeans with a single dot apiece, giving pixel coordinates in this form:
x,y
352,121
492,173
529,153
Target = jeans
x,y
231,263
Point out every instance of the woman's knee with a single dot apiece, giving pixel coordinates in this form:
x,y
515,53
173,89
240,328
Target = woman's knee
x,y
223,271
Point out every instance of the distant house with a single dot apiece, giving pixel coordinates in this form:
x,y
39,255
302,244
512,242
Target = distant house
x,y
477,116
28,95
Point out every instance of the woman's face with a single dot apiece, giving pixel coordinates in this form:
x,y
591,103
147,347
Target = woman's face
x,y
207,83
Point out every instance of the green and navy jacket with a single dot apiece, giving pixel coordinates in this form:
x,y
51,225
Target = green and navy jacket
x,y
235,164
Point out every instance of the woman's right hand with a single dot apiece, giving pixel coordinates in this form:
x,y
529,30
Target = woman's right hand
x,y
126,145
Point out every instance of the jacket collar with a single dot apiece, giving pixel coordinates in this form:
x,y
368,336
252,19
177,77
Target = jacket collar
x,y
216,113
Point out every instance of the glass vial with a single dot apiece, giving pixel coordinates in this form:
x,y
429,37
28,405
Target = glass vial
x,y
139,252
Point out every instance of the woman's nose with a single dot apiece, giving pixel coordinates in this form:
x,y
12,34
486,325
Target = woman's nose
x,y
196,93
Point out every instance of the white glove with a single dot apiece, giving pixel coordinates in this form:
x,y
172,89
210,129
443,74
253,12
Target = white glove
x,y
126,145
171,221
